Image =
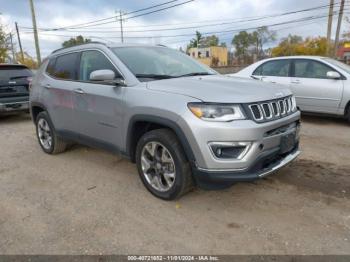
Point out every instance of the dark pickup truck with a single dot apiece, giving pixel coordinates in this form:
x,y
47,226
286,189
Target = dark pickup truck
x,y
14,88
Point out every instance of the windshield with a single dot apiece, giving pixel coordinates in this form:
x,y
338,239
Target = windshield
x,y
159,62
339,64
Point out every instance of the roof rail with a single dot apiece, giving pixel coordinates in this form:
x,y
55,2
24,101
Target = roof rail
x,y
92,42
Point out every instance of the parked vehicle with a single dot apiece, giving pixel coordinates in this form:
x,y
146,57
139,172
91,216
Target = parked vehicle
x,y
320,84
14,88
181,122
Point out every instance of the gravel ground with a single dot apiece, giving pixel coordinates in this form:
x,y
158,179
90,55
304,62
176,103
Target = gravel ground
x,y
87,201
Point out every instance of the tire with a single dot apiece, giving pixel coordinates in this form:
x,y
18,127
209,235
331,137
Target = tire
x,y
169,152
347,116
57,145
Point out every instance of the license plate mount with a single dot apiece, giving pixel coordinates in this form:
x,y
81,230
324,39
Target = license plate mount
x,y
287,142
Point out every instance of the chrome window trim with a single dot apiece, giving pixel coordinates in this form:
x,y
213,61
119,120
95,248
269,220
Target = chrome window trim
x,y
80,51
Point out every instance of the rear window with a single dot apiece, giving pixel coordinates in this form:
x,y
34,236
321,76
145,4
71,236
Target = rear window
x,y
64,67
8,73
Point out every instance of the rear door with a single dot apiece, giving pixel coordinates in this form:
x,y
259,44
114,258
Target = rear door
x,y
97,105
57,89
313,90
274,71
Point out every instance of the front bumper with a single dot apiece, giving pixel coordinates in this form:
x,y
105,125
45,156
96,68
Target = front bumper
x,y
265,155
268,163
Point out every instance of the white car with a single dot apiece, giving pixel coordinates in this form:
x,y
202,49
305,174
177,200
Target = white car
x,y
320,84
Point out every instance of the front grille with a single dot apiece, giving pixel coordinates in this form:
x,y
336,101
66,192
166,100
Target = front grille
x,y
274,109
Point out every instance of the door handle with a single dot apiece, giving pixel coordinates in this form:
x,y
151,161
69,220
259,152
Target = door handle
x,y
295,81
47,86
79,91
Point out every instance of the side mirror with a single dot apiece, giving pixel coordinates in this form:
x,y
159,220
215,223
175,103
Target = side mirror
x,y
102,75
333,75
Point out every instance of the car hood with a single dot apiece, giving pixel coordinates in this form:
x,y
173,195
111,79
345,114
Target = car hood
x,y
220,89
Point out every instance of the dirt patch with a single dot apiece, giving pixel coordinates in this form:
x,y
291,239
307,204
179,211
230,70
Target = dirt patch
x,y
87,201
318,176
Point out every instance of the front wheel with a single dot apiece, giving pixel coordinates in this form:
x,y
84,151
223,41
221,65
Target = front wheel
x,y
162,164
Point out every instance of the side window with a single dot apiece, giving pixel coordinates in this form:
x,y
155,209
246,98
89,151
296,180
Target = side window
x,y
257,71
310,69
66,67
51,66
275,68
94,60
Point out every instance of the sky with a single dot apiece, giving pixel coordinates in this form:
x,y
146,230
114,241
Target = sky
x,y
223,17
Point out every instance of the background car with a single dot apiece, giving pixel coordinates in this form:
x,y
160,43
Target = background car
x,y
320,84
14,88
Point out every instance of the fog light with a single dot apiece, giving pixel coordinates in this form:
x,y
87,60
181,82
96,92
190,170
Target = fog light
x,y
229,150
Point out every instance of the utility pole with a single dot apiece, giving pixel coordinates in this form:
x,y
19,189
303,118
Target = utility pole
x,y
36,39
340,19
13,50
121,26
19,41
329,29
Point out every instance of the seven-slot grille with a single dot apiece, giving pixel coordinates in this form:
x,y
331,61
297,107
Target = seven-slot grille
x,y
266,111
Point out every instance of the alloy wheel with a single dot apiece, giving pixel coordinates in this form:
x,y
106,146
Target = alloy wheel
x,y
44,133
158,166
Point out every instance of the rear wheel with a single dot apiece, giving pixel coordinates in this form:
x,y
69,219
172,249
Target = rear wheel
x,y
162,165
47,137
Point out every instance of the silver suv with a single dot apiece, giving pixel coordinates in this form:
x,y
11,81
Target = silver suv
x,y
181,122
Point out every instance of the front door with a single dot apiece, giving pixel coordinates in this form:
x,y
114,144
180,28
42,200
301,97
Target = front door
x,y
97,105
315,92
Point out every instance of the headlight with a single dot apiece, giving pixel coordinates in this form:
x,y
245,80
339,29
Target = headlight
x,y
216,112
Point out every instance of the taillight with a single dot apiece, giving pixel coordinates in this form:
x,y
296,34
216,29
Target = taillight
x,y
29,79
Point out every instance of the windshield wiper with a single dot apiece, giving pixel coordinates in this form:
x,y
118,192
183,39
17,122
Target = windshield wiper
x,y
196,74
154,76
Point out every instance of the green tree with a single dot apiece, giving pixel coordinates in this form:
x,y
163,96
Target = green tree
x,y
242,42
4,45
260,37
296,45
288,46
75,41
207,41
27,61
195,41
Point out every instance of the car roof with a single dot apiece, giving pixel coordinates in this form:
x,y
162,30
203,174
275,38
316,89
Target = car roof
x,y
295,57
99,44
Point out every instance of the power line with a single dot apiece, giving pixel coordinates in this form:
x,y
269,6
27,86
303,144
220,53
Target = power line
x,y
95,22
231,30
209,25
192,27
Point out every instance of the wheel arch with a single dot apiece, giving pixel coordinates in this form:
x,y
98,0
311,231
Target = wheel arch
x,y
140,124
35,109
